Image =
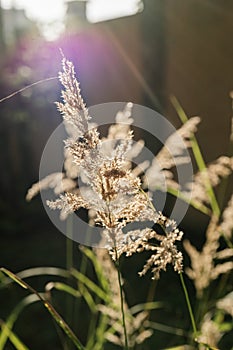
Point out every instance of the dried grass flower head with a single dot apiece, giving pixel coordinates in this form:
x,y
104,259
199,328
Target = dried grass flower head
x,y
109,188
207,265
170,156
221,168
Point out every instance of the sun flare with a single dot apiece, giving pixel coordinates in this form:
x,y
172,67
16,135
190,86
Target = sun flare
x,y
39,10
50,14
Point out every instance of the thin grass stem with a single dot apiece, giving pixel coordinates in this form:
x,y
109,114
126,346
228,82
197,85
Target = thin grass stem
x,y
122,308
27,87
189,306
69,266
69,243
126,347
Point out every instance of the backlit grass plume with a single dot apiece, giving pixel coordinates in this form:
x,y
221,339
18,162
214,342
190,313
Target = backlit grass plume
x,y
115,193
111,189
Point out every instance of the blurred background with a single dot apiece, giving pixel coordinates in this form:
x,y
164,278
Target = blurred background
x,y
139,51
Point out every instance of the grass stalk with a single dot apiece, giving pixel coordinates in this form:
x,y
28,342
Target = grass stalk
x,y
122,307
126,347
69,243
27,87
69,266
191,315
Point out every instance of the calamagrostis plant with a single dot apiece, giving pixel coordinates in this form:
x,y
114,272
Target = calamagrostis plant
x,y
207,265
210,334
227,219
165,161
215,172
213,324
111,190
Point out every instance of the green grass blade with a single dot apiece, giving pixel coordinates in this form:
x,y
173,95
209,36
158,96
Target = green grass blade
x,y
152,305
36,271
90,285
9,324
166,329
88,298
63,325
100,333
99,327
198,157
96,342
97,266
191,315
181,347
60,321
195,204
63,287
14,278
75,293
47,270
14,339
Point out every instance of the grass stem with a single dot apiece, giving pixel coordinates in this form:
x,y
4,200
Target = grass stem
x,y
126,347
189,306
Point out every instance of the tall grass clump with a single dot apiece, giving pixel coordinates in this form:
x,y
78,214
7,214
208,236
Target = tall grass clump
x,y
116,194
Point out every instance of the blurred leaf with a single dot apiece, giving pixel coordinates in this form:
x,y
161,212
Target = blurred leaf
x,y
146,306
166,329
9,324
36,271
90,284
88,298
14,278
13,338
208,346
195,204
225,327
97,266
198,157
49,307
100,333
181,347
64,288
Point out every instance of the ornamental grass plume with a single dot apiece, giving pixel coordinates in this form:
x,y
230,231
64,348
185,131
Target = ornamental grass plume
x,y
163,163
212,175
227,219
111,190
210,334
207,265
226,304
